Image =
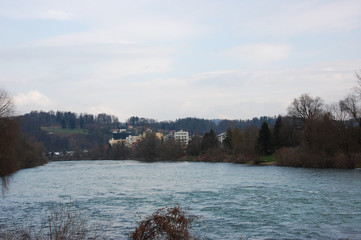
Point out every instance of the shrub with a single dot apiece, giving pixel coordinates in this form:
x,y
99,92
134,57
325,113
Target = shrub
x,y
63,223
165,223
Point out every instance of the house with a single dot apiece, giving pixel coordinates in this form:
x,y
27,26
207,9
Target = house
x,y
182,137
131,141
221,137
119,137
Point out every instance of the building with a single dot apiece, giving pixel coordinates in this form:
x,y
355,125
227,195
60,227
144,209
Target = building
x,y
158,135
182,137
119,137
221,137
132,141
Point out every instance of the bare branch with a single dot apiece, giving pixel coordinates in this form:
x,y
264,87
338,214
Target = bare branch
x,y
306,107
350,106
6,104
358,88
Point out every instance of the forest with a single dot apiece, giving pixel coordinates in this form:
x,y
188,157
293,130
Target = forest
x,y
67,131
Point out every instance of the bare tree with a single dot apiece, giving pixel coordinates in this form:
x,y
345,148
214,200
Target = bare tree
x,y
350,105
8,131
6,104
337,112
306,108
358,88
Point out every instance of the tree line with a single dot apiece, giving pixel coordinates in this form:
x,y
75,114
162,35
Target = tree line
x,y
97,128
17,150
312,134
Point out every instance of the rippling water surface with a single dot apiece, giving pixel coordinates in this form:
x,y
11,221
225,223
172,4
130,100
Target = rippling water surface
x,y
231,200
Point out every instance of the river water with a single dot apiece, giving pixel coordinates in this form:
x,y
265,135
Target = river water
x,y
231,201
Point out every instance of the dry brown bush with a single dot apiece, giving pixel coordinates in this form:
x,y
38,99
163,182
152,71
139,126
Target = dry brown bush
x,y
63,223
165,223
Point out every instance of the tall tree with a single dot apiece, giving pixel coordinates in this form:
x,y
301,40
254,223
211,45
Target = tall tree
x,y
194,146
264,141
6,104
277,132
8,138
350,105
306,108
228,142
209,141
147,148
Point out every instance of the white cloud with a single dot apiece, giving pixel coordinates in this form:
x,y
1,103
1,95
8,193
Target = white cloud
x,y
32,100
313,17
32,97
55,14
108,110
259,53
117,69
164,60
32,10
334,15
252,92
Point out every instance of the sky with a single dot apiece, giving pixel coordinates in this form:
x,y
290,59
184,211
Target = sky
x,y
167,60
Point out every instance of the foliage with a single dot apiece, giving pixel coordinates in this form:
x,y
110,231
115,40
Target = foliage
x,y
52,130
64,131
16,151
153,149
169,150
228,141
264,140
165,223
209,141
306,108
194,146
29,153
268,159
322,136
147,148
327,138
62,223
8,138
119,152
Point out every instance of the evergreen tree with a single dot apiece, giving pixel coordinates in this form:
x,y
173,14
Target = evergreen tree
x,y
81,121
209,141
147,148
277,132
194,146
264,140
228,141
63,123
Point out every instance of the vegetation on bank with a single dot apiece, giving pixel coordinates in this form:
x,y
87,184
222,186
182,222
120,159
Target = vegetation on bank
x,y
17,150
58,130
313,134
64,222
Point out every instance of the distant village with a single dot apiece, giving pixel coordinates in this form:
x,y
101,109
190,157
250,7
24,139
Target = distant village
x,y
130,137
126,136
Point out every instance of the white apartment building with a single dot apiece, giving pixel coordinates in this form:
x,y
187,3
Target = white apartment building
x,y
221,137
182,137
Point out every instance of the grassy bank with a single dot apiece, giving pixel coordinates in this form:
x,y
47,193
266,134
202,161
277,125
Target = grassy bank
x,y
55,130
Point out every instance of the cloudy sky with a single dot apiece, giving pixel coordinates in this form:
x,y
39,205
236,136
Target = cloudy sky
x,y
173,59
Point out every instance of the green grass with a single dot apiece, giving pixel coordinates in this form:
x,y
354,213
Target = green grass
x,y
187,158
268,159
66,130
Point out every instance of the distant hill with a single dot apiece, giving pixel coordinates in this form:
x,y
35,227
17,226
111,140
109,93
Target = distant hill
x,y
64,131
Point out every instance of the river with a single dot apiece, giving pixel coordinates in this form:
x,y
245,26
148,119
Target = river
x,y
231,201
